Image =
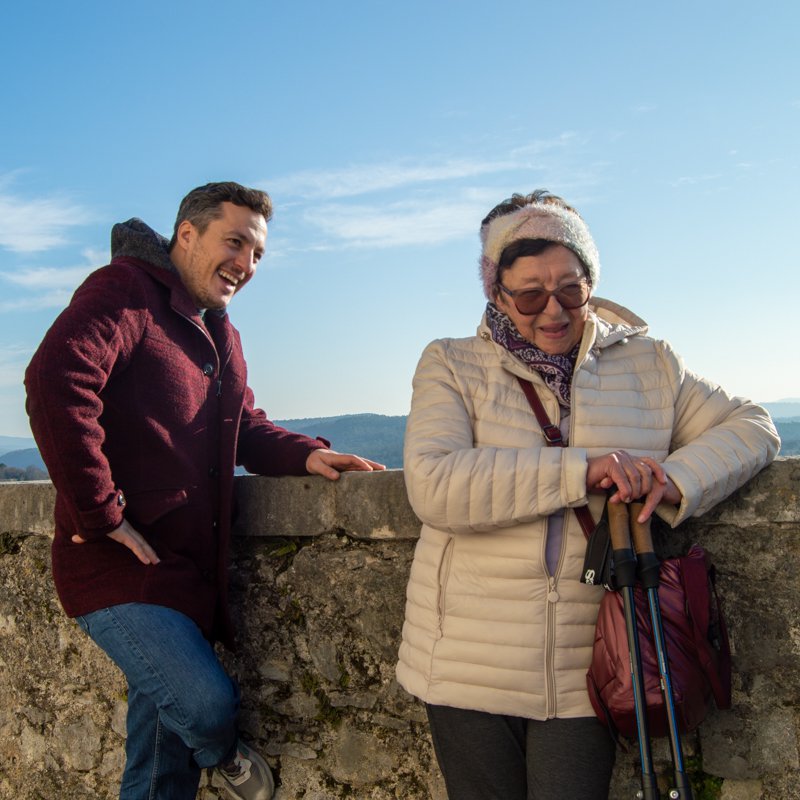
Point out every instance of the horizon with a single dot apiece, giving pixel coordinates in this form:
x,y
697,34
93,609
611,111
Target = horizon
x,y
766,403
384,135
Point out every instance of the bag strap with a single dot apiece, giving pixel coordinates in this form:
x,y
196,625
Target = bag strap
x,y
699,582
552,435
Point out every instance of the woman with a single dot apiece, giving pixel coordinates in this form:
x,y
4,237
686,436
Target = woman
x,y
499,630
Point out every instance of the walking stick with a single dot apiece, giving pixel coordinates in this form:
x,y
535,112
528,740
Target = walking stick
x,y
625,576
649,568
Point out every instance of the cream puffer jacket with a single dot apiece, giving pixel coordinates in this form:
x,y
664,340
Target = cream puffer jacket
x,y
487,627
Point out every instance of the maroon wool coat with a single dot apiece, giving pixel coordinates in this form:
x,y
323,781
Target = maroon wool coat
x,y
141,410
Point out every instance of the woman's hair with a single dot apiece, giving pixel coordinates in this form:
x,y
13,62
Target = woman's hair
x,y
521,248
202,205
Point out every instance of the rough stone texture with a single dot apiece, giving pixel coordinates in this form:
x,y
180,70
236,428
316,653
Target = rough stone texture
x,y
318,579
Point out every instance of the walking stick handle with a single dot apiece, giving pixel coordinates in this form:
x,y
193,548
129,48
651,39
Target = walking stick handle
x,y
619,526
649,562
642,535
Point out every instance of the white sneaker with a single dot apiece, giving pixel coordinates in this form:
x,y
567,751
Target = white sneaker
x,y
248,776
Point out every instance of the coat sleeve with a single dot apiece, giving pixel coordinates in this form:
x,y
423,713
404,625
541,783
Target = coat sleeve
x,y
457,486
64,381
264,448
719,442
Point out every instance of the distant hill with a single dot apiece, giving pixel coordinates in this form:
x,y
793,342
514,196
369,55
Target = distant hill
x,y
784,409
789,431
786,416
23,458
9,443
374,436
22,465
381,438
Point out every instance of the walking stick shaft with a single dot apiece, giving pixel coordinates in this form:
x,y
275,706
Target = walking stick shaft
x,y
649,566
625,575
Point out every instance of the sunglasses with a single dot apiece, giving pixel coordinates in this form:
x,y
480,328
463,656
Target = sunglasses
x,y
534,301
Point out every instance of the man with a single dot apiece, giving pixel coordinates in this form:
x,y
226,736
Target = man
x,y
139,403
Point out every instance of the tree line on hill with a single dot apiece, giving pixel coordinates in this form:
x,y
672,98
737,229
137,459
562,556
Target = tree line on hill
x,y
22,473
373,436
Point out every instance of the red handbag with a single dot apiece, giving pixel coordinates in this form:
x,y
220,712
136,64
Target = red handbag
x,y
694,629
696,642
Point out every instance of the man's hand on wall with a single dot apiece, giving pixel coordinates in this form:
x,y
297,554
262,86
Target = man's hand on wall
x,y
330,464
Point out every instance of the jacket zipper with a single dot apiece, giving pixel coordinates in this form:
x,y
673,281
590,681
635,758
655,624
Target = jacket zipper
x,y
552,598
550,648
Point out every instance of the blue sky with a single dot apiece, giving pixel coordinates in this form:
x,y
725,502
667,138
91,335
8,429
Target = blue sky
x,y
384,133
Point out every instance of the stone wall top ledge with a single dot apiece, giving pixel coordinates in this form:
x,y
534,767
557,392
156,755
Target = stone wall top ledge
x,y
374,505
364,505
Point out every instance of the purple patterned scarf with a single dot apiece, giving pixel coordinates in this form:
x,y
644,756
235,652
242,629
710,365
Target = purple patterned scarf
x,y
556,370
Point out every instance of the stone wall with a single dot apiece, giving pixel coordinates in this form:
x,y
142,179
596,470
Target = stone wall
x,y
319,572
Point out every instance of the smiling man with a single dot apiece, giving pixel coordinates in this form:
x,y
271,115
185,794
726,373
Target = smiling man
x,y
139,403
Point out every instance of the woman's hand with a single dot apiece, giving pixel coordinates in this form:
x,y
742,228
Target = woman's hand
x,y
634,478
330,464
128,536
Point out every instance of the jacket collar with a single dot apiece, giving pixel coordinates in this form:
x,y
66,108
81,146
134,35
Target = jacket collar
x,y
613,322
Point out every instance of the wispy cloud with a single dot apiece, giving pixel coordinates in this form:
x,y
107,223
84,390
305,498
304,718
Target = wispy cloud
x,y
406,223
48,287
365,178
34,225
13,358
359,179
413,202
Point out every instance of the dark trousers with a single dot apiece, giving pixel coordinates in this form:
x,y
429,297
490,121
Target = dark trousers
x,y
493,757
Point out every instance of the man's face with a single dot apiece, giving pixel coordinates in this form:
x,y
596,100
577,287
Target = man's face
x,y
218,262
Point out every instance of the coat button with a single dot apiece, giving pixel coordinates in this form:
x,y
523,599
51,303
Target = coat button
x,y
213,472
208,369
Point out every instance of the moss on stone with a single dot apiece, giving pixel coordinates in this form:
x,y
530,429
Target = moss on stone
x,y
11,542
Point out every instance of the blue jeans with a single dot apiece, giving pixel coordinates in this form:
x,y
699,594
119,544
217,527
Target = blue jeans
x,y
182,705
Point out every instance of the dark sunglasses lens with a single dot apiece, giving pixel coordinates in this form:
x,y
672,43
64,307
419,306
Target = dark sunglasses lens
x,y
532,302
535,301
573,296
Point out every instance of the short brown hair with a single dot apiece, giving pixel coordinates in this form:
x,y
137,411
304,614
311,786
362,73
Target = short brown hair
x,y
202,205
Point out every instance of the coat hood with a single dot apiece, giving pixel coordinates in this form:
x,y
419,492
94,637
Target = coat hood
x,y
136,239
614,322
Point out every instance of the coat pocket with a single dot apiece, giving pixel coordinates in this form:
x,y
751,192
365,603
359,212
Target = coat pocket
x,y
443,577
149,506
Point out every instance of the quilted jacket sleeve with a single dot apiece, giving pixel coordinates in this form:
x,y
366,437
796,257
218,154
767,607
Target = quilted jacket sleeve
x,y
719,441
458,486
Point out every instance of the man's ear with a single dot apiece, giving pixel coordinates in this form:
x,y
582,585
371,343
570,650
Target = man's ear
x,y
185,234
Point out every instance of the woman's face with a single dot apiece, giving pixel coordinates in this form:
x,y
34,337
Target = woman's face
x,y
555,330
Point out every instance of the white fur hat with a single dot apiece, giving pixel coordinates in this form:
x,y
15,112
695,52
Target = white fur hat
x,y
536,221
